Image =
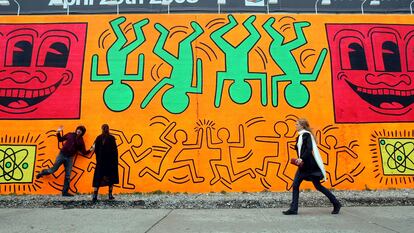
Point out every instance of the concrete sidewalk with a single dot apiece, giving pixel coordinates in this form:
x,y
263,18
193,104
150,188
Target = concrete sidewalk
x,y
310,219
258,200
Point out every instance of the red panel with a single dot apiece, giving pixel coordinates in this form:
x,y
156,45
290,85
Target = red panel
x,y
41,70
381,90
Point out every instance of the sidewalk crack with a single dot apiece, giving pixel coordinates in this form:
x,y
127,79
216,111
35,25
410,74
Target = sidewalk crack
x,y
370,222
384,227
156,223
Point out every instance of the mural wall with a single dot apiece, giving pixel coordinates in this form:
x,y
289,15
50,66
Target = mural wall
x,y
207,103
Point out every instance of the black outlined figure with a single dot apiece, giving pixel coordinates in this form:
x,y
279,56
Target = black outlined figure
x,y
224,145
170,159
127,148
328,144
283,142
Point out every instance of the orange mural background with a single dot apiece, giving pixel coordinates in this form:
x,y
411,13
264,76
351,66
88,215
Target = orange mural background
x,y
354,161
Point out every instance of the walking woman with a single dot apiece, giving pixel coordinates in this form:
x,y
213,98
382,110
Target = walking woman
x,y
106,171
310,167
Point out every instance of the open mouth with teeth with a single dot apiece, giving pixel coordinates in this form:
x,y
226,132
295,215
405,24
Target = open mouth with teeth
x,y
385,98
20,98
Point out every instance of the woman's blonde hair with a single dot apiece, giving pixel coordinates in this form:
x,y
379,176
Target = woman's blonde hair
x,y
305,125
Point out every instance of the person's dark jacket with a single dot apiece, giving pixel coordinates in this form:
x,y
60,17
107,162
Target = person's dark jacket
x,y
106,171
310,167
72,144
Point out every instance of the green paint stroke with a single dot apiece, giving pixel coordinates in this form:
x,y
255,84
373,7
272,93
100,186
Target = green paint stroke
x,y
175,99
237,64
296,94
118,96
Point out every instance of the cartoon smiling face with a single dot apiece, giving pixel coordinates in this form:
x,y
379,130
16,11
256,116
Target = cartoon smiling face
x,y
372,72
40,70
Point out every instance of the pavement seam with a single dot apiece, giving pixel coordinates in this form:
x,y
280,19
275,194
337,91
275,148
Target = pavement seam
x,y
156,223
369,221
384,227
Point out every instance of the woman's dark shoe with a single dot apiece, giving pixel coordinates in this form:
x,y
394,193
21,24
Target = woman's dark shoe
x,y
94,198
336,208
289,212
67,195
111,197
40,174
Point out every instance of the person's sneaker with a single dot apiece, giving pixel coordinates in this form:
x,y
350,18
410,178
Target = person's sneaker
x,y
336,208
67,195
289,212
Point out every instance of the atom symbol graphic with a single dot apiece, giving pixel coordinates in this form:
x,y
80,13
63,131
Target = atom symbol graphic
x,y
12,164
399,155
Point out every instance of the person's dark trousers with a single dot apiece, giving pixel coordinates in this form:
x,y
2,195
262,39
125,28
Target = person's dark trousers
x,y
67,163
316,182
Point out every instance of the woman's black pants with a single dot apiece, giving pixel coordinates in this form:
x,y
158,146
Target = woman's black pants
x,y
317,183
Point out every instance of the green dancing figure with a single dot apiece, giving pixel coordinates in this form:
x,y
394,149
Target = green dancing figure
x,y
175,99
296,94
237,64
118,96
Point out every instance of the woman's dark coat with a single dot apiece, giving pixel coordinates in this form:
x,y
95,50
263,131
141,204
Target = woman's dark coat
x,y
310,167
106,171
